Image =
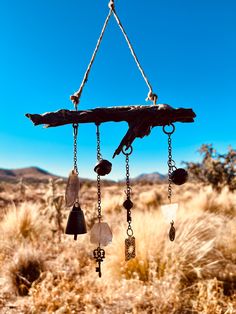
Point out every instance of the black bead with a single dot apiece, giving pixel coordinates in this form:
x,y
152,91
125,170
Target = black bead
x,y
103,167
128,204
179,176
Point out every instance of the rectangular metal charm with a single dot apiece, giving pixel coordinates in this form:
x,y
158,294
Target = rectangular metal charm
x,y
129,248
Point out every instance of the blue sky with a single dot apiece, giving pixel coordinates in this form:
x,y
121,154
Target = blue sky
x,y
187,49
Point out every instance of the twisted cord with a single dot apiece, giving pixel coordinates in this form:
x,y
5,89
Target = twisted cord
x,y
76,96
151,96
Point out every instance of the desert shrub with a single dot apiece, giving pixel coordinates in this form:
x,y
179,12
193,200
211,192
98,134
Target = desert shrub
x,y
150,199
207,199
194,274
215,169
23,223
25,268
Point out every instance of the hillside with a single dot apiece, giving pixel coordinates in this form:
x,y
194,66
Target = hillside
x,y
29,173
151,177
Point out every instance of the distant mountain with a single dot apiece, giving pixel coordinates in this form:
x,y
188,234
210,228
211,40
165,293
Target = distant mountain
x,y
36,174
30,173
151,177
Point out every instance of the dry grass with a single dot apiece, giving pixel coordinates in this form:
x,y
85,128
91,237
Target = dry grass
x,y
22,223
25,268
194,274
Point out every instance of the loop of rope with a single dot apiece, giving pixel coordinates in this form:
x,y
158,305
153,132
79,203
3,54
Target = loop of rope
x,y
76,96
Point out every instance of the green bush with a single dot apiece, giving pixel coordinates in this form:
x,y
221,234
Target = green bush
x,y
215,169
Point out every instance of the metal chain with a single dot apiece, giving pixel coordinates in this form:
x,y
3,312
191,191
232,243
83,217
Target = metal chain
x,y
170,162
128,187
128,190
99,155
128,193
99,207
169,168
75,133
99,198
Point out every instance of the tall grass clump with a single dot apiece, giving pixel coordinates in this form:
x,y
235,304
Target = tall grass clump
x,y
23,223
25,268
195,254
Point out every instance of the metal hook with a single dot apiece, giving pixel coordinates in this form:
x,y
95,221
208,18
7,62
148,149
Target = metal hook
x,y
75,127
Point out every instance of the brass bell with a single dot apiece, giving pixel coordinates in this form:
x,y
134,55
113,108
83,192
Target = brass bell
x,y
103,167
179,176
76,222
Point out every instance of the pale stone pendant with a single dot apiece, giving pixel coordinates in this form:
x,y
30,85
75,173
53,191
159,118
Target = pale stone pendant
x,y
169,211
101,234
72,189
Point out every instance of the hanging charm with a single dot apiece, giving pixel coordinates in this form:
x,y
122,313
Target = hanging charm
x,y
99,255
179,176
128,205
129,248
76,221
101,233
72,189
172,231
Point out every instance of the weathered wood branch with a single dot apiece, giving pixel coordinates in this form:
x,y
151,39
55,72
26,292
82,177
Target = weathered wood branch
x,y
141,119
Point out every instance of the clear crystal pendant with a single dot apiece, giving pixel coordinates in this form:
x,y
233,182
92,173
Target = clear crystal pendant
x,y
101,234
169,211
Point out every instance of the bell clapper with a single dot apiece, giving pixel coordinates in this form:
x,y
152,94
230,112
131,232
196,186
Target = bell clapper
x,y
128,205
76,221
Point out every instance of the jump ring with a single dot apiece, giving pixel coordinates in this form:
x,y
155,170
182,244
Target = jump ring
x,y
130,232
168,132
125,151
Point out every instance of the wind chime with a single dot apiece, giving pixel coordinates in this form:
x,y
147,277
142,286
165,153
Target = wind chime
x,y
141,119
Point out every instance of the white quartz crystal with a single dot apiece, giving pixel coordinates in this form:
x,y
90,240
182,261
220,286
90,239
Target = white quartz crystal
x,y
101,234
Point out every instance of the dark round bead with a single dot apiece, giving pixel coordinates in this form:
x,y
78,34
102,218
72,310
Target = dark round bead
x,y
103,167
128,204
179,176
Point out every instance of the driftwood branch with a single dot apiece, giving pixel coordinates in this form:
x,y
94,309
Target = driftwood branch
x,y
141,119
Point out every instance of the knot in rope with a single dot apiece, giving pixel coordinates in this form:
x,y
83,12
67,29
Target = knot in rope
x,y
153,97
111,5
75,100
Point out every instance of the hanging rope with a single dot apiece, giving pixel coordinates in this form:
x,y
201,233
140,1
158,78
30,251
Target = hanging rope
x,y
151,96
76,96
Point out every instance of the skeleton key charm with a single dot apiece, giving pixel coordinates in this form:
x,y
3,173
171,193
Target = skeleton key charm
x,y
98,269
99,255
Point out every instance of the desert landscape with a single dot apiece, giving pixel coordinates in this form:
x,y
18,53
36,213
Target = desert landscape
x,y
45,271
